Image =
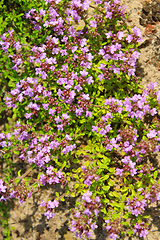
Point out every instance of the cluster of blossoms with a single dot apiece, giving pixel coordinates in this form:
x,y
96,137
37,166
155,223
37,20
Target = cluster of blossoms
x,y
153,193
52,177
141,229
136,206
85,220
10,42
2,186
5,140
89,175
40,147
112,228
52,18
49,207
12,190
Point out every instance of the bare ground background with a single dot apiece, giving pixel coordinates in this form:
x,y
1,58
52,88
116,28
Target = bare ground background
x,y
27,219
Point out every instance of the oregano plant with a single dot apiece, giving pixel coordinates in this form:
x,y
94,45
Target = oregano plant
x,y
78,102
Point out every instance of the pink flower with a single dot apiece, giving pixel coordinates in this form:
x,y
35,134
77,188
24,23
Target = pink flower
x,y
93,23
65,116
129,38
53,204
143,233
120,35
68,137
42,204
72,94
77,214
109,15
28,115
88,114
87,212
49,214
2,187
52,111
137,31
112,49
113,236
152,134
119,171
60,127
158,96
101,51
85,96
153,111
86,196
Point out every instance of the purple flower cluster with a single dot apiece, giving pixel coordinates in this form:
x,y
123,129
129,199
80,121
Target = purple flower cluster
x,y
136,206
2,186
112,228
5,140
153,193
89,175
40,146
12,190
49,208
52,177
85,220
129,166
8,42
141,229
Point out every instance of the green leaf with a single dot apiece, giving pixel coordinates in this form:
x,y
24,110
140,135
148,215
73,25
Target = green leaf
x,y
87,163
106,201
76,185
104,177
57,194
27,179
125,224
38,177
62,199
124,196
17,180
111,170
101,88
115,215
125,216
104,210
155,174
130,232
125,181
106,188
111,183
75,160
19,173
67,192
115,204
35,185
124,190
114,194
73,194
147,216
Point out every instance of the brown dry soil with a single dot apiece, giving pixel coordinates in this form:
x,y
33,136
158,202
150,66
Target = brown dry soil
x,y
27,220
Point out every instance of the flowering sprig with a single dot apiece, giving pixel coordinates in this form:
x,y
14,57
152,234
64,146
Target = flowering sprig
x,y
85,220
49,207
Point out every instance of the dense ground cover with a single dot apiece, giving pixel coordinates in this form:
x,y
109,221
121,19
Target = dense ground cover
x,y
78,101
